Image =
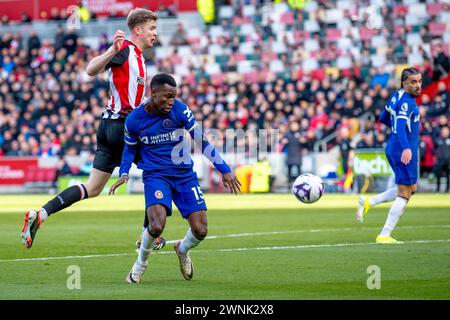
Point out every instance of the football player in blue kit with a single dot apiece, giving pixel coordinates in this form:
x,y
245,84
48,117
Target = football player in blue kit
x,y
401,114
159,126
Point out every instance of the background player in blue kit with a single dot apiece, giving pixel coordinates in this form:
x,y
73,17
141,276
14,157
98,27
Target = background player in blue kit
x,y
401,114
158,126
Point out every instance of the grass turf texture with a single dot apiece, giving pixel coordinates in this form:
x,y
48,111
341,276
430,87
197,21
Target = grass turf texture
x,y
261,247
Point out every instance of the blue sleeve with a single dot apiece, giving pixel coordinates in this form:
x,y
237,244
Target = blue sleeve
x,y
385,118
129,151
403,115
186,117
209,151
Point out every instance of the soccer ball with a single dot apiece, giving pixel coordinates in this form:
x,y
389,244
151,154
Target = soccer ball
x,y
308,188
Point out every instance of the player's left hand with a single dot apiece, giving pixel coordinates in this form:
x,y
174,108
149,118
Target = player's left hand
x,y
231,183
406,156
123,179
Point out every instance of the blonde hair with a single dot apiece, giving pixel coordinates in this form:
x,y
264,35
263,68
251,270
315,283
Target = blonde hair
x,y
140,16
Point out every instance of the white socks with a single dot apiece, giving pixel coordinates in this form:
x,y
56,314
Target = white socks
x,y
43,214
397,209
146,247
387,196
189,241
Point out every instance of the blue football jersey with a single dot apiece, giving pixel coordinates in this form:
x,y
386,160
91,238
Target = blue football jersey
x,y
161,139
405,122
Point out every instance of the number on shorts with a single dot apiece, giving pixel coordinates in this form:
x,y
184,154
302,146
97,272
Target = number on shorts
x,y
197,193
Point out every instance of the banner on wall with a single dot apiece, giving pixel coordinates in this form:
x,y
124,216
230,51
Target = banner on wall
x,y
371,162
13,170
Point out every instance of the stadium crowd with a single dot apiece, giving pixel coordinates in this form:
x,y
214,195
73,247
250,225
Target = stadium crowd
x,y
266,68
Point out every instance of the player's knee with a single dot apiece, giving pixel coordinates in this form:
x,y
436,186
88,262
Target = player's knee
x,y
155,230
93,191
200,231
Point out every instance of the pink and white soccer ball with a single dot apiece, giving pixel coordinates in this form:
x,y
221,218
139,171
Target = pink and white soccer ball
x,y
308,188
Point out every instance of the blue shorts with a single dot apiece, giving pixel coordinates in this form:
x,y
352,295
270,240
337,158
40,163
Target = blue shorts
x,y
404,174
185,193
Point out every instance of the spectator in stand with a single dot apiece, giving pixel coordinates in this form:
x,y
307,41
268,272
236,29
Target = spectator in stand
x,y
442,168
292,145
179,38
345,147
441,63
379,77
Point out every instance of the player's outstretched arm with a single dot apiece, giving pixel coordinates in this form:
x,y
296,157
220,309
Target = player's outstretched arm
x,y
99,63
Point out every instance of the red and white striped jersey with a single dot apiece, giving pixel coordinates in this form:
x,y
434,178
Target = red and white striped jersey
x,y
126,79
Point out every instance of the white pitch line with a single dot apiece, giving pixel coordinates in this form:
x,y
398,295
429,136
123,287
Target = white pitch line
x,y
307,246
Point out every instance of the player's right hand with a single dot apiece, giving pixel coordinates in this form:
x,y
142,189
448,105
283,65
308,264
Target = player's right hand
x,y
119,37
406,156
123,179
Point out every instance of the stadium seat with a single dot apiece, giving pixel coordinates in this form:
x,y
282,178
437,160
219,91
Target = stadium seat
x,y
216,50
366,33
379,41
415,59
247,29
311,45
279,47
310,64
344,25
444,16
345,4
437,29
333,34
311,6
181,70
378,61
184,51
433,9
412,20
268,56
333,15
446,37
226,12
247,48
399,10
287,18
414,39
344,62
345,44
301,35
218,78
244,66
311,26
418,9
276,66
251,77
248,11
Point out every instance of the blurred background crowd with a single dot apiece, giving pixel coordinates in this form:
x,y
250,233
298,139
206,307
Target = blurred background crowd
x,y
312,71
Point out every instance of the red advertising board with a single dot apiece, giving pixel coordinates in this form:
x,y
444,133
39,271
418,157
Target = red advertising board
x,y
13,170
35,8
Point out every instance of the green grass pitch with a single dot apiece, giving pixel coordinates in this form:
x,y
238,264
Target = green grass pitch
x,y
259,247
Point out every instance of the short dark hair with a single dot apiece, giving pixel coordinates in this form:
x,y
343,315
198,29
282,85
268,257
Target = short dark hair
x,y
161,79
406,73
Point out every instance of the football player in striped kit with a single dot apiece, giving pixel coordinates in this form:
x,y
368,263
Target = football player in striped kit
x,y
125,63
